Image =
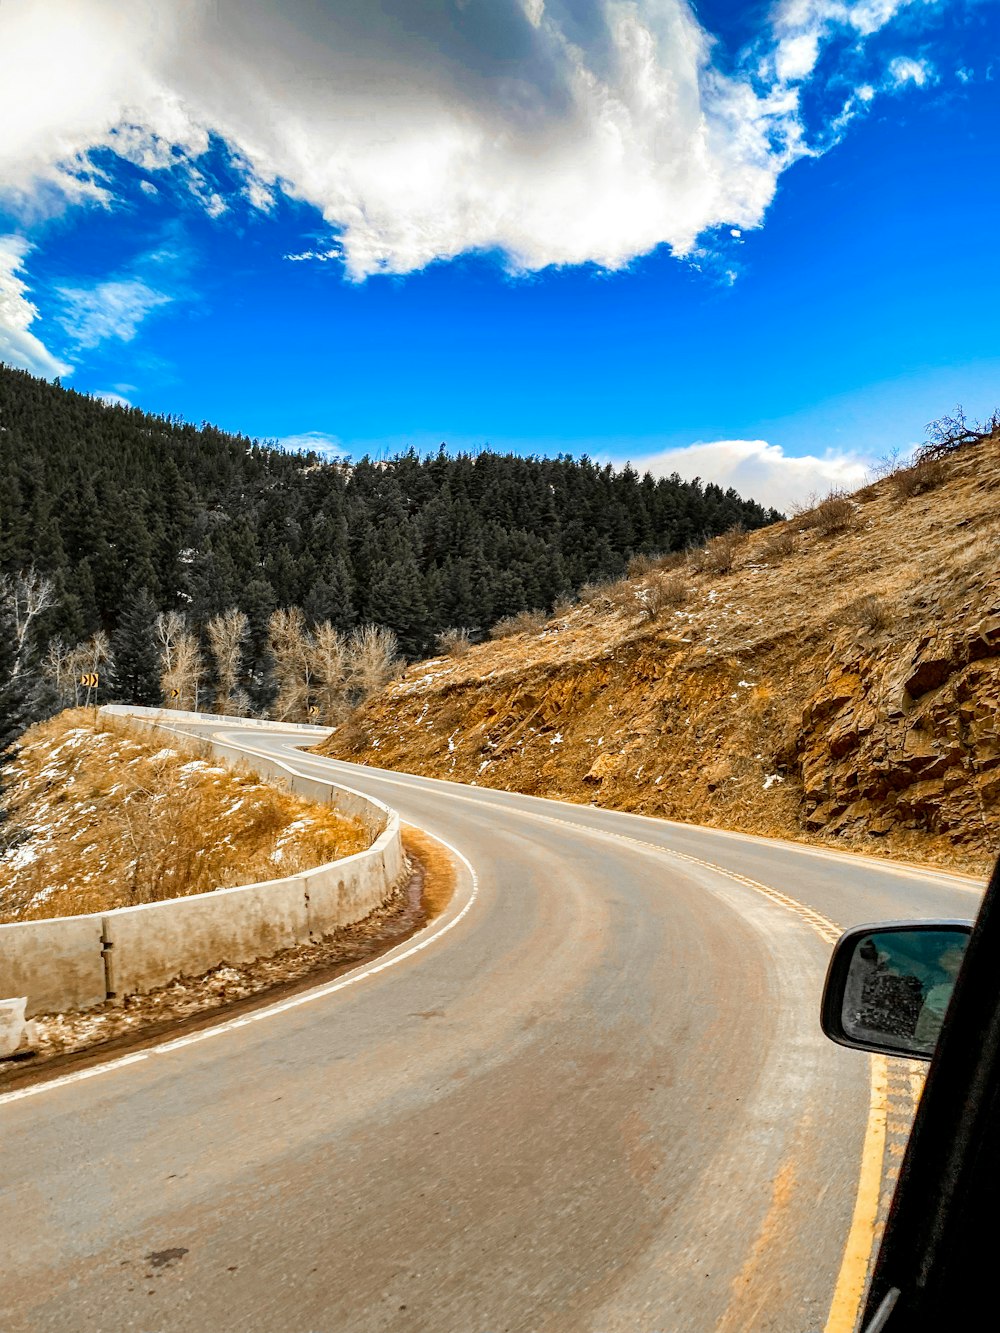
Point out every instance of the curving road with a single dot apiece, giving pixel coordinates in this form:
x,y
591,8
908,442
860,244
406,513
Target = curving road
x,y
597,1100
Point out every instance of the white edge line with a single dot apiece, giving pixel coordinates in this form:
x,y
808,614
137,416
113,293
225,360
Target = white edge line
x,y
423,941
908,869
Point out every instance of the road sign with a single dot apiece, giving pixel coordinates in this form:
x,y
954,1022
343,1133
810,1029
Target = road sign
x,y
175,694
90,680
313,712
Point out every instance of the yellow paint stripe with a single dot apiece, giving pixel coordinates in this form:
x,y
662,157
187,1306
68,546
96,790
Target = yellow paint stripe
x,y
850,1286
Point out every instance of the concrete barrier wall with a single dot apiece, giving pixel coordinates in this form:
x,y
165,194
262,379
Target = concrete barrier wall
x,y
168,715
75,962
57,964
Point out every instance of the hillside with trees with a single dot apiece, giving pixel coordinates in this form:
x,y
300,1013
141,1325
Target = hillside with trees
x,y
835,678
186,564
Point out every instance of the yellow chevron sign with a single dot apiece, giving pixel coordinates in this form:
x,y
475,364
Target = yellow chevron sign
x,y
90,680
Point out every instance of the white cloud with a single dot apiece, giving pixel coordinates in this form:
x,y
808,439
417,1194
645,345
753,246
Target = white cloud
x,y
553,131
104,310
801,26
313,441
759,470
904,70
18,345
319,256
112,399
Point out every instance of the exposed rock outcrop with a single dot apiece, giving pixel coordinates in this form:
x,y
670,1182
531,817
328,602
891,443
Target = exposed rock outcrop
x,y
836,687
908,739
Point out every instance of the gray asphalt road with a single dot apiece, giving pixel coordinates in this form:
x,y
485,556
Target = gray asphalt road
x,y
598,1101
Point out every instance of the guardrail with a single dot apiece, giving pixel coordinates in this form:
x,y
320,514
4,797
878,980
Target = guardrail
x,y
76,962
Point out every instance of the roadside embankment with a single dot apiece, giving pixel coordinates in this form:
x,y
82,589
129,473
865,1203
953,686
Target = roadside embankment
x,y
62,1042
106,812
834,678
71,963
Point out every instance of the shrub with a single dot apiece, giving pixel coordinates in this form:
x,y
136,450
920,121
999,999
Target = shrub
x,y
663,593
593,592
639,565
453,642
719,554
671,560
871,613
608,596
779,545
922,476
834,514
562,607
621,596
525,622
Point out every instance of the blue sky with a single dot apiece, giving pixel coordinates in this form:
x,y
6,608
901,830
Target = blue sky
x,y
755,243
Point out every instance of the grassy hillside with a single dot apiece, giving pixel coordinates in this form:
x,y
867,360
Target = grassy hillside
x,y
834,677
105,815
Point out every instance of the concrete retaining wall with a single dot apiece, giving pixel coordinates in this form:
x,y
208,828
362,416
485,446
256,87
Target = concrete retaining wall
x,y
57,964
75,962
168,715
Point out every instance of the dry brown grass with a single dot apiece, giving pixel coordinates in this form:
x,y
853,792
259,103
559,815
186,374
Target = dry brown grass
x,y
923,476
525,622
871,613
591,593
105,814
648,704
662,593
833,515
453,642
718,555
640,565
778,546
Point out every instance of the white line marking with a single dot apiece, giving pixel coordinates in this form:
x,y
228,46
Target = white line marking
x,y
267,1011
943,878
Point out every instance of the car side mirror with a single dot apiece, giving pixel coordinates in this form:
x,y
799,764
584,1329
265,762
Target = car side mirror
x,y
888,986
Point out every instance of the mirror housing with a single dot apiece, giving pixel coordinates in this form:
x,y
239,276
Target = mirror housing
x,y
888,985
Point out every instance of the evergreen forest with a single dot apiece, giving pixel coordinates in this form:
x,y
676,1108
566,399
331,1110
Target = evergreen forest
x,y
130,517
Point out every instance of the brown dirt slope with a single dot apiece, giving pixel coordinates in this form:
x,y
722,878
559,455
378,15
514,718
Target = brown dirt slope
x,y
839,683
105,814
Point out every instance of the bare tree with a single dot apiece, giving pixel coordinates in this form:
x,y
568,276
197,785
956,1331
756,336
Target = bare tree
x,y
949,433
69,670
227,636
330,674
181,665
27,595
59,670
292,649
373,658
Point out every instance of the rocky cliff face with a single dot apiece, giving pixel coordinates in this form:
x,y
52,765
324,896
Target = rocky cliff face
x,y
908,739
840,683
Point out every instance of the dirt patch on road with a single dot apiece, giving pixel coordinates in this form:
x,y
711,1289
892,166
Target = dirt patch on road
x,y
438,867
71,1041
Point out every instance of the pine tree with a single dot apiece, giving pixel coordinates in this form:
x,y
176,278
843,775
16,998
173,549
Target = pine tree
x,y
397,601
136,651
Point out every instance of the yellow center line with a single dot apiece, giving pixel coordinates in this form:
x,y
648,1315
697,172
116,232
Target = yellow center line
x,y
850,1285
